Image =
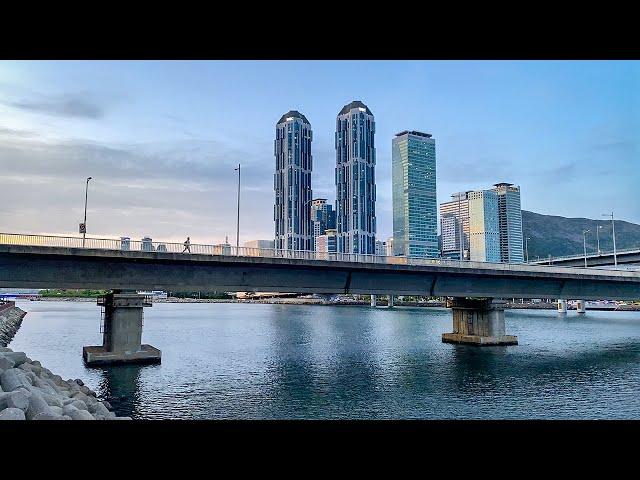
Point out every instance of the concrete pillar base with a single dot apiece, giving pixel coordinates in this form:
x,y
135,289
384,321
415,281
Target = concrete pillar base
x,y
562,306
390,301
374,301
122,332
581,306
478,340
478,322
97,355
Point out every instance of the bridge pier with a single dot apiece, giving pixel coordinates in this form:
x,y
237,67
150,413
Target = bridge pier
x,y
374,300
390,301
122,332
478,322
581,306
562,306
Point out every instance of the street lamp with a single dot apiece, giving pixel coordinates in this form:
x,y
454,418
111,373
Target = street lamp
x,y
84,224
238,221
598,237
526,247
584,244
613,226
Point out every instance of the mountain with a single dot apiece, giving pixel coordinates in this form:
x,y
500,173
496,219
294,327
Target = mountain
x,y
559,236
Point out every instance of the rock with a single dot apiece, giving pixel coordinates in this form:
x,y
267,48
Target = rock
x,y
122,418
36,363
67,409
107,404
99,409
52,400
81,396
15,399
37,406
84,389
79,404
12,414
6,363
18,357
44,386
12,379
79,382
47,416
56,410
80,415
5,349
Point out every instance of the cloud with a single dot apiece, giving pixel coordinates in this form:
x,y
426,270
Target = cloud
x,y
68,105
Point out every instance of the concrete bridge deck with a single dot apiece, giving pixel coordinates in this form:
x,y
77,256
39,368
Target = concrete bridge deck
x,y
107,267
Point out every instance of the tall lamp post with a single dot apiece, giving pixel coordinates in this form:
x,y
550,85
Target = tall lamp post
x,y
526,247
598,237
584,244
613,227
84,224
238,219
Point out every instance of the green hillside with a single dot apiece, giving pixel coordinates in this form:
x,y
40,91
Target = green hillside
x,y
558,236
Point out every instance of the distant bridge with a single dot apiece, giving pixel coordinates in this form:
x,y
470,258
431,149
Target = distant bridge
x,y
630,256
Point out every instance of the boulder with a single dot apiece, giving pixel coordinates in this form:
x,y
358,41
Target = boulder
x,y
56,410
80,415
6,363
37,406
12,379
107,404
47,416
12,414
99,409
15,399
5,349
18,358
79,382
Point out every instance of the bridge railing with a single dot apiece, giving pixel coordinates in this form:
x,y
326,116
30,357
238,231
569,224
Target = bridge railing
x,y
148,245
590,255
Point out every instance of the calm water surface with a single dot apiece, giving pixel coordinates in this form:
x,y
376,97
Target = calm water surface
x,y
251,361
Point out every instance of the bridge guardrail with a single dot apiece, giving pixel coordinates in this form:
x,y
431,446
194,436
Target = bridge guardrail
x,y
229,250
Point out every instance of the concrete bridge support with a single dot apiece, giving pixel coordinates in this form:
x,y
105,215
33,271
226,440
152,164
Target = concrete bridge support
x,y
374,301
581,306
390,301
122,332
478,322
562,306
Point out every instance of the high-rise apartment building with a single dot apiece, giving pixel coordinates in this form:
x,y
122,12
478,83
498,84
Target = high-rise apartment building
x,y
454,226
355,179
484,228
292,183
415,207
323,216
510,222
326,243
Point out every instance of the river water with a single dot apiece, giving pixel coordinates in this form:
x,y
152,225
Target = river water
x,y
255,361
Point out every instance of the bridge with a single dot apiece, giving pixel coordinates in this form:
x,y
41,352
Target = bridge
x,y
35,261
630,256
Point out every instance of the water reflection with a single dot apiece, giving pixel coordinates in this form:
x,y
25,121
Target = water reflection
x,y
120,386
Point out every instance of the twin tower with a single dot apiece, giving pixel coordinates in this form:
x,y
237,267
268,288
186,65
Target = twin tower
x,y
354,179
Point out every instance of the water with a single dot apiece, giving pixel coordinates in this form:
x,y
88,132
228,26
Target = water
x,y
252,361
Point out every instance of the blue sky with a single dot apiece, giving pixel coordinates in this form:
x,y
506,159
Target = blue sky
x,y
161,138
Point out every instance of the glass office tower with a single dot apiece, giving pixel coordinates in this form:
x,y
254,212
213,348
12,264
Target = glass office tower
x,y
355,179
484,228
415,207
510,220
292,183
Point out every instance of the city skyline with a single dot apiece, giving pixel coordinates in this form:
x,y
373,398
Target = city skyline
x,y
165,150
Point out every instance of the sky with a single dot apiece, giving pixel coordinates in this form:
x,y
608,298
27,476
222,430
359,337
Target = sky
x,y
161,138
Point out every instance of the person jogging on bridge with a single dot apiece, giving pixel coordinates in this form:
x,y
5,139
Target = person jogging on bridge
x,y
187,245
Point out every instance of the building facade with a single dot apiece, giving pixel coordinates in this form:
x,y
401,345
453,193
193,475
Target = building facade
x,y
326,243
510,221
261,244
454,226
355,179
415,207
484,232
323,216
292,183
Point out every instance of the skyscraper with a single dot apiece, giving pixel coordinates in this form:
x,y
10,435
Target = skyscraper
x,y
355,179
484,226
510,221
415,207
454,226
323,216
292,183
